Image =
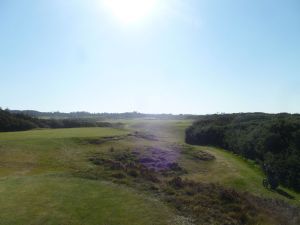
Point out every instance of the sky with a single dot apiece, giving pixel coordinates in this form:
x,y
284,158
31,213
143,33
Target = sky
x,y
150,56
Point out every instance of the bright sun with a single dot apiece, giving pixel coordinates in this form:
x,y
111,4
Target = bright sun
x,y
130,11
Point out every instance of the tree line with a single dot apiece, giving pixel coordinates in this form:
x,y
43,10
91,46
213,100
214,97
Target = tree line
x,y
272,140
100,116
20,122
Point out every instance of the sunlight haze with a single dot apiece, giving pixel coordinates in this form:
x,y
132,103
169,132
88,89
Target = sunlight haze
x,y
130,11
171,56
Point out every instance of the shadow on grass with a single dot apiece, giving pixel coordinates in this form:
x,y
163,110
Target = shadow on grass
x,y
285,194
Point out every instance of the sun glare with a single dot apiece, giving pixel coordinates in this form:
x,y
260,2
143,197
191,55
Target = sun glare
x,y
130,11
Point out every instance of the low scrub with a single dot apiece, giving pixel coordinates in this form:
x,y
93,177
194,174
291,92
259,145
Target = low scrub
x,y
204,203
214,204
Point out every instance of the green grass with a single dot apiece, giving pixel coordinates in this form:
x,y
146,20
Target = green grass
x,y
228,169
38,183
60,133
37,186
234,171
166,130
64,200
38,151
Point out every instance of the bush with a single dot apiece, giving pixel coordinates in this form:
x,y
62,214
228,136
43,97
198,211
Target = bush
x,y
272,139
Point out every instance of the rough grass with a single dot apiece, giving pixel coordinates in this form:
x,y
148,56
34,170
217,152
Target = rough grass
x,y
205,203
227,169
235,172
55,169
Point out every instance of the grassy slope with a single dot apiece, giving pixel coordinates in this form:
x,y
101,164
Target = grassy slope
x,y
228,169
61,200
39,151
233,171
61,133
36,186
35,168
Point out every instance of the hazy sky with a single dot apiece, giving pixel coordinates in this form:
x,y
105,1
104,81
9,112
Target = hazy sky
x,y
169,56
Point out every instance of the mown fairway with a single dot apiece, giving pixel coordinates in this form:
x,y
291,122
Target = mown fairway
x,y
53,199
94,176
37,186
